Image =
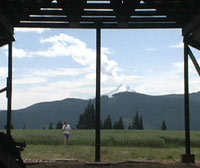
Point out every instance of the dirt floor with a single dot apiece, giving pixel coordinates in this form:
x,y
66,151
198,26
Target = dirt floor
x,y
128,164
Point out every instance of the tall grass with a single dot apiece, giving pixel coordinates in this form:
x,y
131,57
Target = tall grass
x,y
117,145
129,138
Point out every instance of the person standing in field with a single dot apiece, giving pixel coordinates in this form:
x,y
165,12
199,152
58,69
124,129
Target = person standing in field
x,y
66,131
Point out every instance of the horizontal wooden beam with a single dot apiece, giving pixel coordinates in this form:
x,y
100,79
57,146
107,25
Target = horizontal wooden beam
x,y
104,25
112,12
95,19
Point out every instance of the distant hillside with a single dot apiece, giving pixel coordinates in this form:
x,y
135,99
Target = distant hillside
x,y
154,110
41,114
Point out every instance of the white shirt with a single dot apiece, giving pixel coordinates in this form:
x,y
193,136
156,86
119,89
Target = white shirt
x,y
66,129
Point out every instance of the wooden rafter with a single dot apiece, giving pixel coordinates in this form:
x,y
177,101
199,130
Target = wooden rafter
x,y
192,25
109,13
106,13
6,23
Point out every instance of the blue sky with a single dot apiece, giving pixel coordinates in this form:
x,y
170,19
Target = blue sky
x,y
54,64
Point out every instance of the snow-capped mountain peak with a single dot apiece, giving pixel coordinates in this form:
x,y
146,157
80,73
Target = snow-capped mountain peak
x,y
119,89
122,88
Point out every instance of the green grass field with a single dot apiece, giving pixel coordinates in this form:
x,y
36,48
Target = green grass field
x,y
117,145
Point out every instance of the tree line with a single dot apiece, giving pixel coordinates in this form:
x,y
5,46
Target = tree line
x,y
87,120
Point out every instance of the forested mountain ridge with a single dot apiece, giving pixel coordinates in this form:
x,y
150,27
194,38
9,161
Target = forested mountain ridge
x,y
154,110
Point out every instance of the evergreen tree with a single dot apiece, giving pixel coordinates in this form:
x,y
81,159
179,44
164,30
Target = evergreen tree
x,y
119,124
80,124
107,124
163,126
24,126
136,122
50,125
92,117
87,120
141,123
115,125
59,125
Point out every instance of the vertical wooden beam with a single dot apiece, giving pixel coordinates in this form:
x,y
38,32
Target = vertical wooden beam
x,y
186,100
9,88
98,96
187,157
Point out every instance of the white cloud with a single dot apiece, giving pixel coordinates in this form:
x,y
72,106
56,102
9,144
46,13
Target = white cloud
x,y
59,72
28,96
36,30
179,66
129,78
180,45
171,82
17,53
29,80
65,45
81,88
3,72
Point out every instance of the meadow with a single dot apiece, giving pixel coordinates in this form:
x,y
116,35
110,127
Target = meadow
x,y
117,145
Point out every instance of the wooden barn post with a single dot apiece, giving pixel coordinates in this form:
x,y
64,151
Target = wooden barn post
x,y
98,96
9,88
187,157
